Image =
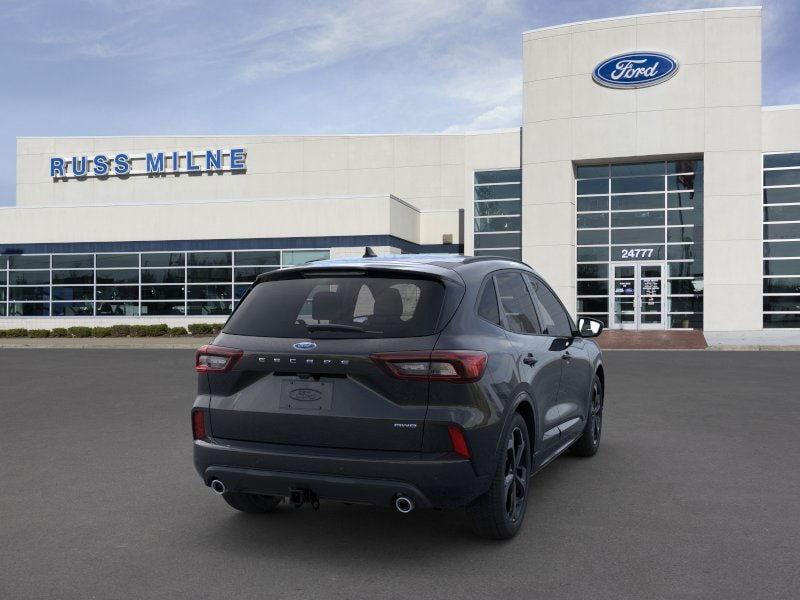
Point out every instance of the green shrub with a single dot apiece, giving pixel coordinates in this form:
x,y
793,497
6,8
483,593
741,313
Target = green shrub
x,y
101,332
16,332
2,333
38,333
217,327
120,330
80,332
201,328
157,330
60,332
177,331
138,330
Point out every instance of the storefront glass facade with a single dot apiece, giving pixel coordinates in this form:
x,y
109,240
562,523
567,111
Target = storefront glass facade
x,y
640,243
498,213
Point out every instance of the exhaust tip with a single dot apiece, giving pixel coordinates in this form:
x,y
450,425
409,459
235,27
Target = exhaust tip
x,y
403,504
218,487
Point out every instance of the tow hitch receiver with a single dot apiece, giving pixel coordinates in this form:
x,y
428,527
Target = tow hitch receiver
x,y
299,496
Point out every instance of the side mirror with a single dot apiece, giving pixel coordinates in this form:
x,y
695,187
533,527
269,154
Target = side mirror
x,y
588,327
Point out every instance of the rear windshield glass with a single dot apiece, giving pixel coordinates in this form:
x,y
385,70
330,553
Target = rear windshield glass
x,y
337,307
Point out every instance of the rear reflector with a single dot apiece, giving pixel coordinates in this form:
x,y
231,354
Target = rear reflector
x,y
457,366
198,424
216,359
458,441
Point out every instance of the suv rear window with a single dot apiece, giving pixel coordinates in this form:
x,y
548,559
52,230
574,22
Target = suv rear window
x,y
340,307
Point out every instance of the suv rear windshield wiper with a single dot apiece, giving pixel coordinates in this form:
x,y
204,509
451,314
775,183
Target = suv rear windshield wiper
x,y
337,327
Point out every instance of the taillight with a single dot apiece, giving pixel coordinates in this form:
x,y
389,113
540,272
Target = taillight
x,y
459,442
457,366
216,359
199,424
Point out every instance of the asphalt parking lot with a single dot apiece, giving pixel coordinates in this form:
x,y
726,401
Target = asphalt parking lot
x,y
695,494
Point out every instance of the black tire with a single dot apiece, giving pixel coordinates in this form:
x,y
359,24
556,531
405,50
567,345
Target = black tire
x,y
498,514
589,442
252,503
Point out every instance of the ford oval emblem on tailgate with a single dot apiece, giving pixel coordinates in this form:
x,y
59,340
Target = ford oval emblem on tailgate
x,y
304,346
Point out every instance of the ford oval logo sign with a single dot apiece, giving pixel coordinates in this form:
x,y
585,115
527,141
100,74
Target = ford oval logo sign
x,y
304,346
635,70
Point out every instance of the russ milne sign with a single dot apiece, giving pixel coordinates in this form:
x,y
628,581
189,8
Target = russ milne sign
x,y
635,70
151,163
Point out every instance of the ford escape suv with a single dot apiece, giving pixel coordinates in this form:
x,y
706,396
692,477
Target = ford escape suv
x,y
428,381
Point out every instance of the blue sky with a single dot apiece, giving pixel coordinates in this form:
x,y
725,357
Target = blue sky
x,y
151,67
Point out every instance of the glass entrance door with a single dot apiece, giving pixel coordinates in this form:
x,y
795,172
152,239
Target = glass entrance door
x,y
637,295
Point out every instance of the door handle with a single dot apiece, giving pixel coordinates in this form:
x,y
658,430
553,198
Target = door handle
x,y
529,360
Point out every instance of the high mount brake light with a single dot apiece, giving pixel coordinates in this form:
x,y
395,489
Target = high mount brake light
x,y
456,366
216,359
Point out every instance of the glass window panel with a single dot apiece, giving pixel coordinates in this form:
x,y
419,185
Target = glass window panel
x,y
684,199
592,186
209,275
782,303
679,252
500,176
591,171
592,271
593,304
163,259
162,292
499,207
781,249
553,318
3,262
592,236
117,276
497,240
2,294
209,292
118,292
789,159
683,217
3,308
637,202
637,219
28,309
77,292
694,304
686,321
209,308
512,253
683,182
590,254
493,192
73,261
73,277
29,293
592,288
782,213
29,261
782,231
498,224
257,257
680,234
593,220
681,269
2,277
637,236
782,267
487,303
73,309
117,309
299,257
782,195
782,285
114,261
596,203
239,290
788,177
684,166
249,274
637,184
162,308
29,277
788,320
685,286
648,168
209,259
163,276
516,305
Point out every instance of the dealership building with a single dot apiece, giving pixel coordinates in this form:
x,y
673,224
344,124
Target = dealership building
x,y
646,182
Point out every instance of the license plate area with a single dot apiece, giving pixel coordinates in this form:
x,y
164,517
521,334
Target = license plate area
x,y
301,394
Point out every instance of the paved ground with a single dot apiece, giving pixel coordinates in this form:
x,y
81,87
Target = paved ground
x,y
694,494
672,339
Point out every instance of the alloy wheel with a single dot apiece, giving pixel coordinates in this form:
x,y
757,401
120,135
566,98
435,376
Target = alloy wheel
x,y
597,413
515,482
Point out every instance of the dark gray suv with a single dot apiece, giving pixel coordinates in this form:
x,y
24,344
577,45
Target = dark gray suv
x,y
415,381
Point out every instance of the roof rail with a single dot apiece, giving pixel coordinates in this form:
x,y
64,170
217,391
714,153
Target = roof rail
x,y
483,257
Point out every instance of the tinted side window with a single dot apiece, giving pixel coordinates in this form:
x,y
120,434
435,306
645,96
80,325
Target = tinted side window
x,y
555,321
515,304
487,303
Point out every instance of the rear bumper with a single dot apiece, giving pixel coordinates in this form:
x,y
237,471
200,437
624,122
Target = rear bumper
x,y
359,476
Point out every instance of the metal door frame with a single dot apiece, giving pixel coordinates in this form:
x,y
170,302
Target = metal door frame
x,y
637,324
